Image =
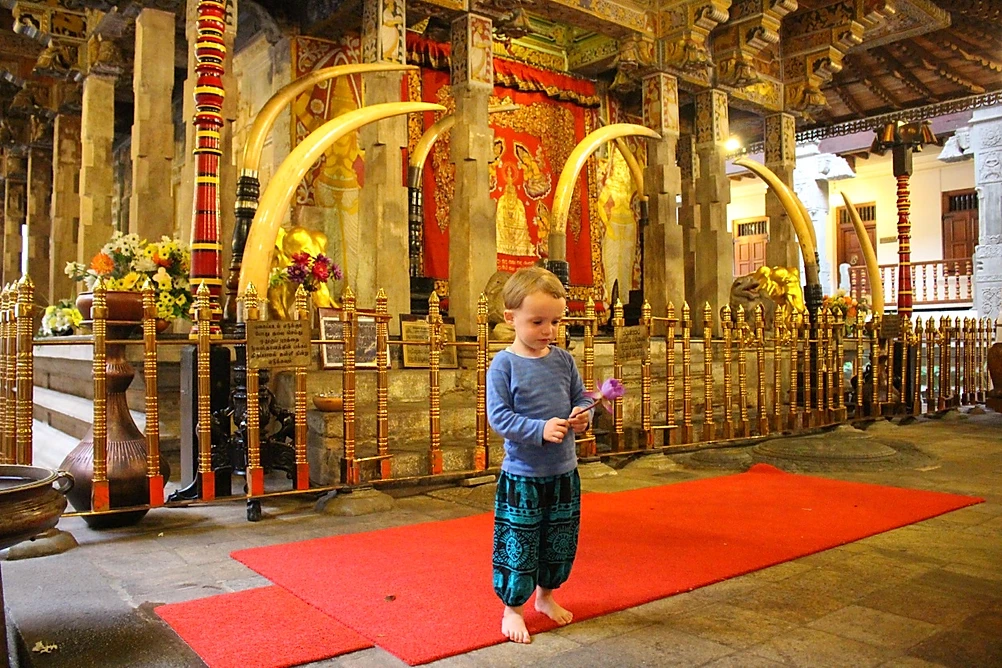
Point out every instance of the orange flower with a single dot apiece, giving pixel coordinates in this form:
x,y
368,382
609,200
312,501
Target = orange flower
x,y
161,261
102,264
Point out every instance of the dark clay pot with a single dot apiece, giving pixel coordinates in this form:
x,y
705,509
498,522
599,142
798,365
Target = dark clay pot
x,y
126,452
29,503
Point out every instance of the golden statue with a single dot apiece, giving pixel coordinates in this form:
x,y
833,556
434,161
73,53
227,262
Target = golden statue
x,y
510,219
282,297
777,289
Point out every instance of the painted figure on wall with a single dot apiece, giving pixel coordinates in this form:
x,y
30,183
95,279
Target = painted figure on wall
x,y
512,225
619,243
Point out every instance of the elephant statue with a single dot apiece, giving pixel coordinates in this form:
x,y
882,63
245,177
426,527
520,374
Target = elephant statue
x,y
776,289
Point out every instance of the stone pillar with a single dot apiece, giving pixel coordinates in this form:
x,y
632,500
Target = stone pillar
x,y
780,156
381,260
97,131
812,182
15,172
472,232
65,203
664,257
688,214
151,213
986,140
714,242
40,222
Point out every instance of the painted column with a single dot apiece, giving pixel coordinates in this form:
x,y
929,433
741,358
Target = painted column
x,y
986,140
688,213
152,204
472,232
97,131
15,197
714,243
780,156
65,203
379,237
40,222
664,255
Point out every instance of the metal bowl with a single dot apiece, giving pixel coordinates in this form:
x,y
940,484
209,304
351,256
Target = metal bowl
x,y
328,402
31,500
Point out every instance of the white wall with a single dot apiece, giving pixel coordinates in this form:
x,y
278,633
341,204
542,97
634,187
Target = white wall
x,y
747,200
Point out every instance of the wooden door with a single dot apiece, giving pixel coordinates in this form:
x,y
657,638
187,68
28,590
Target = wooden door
x,y
960,224
848,249
749,245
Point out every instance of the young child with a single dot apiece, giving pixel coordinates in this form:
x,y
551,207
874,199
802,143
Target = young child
x,y
535,400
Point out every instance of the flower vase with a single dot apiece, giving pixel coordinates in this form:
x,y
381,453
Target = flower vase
x,y
126,449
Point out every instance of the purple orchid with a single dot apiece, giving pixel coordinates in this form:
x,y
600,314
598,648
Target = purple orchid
x,y
610,390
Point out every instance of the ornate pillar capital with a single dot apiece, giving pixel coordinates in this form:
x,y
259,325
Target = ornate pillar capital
x,y
472,51
660,103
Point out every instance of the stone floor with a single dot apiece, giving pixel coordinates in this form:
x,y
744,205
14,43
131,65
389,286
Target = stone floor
x,y
928,594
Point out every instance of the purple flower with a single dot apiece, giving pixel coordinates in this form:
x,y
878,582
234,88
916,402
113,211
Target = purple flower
x,y
296,273
610,390
336,272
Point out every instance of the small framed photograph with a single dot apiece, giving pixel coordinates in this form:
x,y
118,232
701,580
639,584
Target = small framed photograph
x,y
415,328
332,354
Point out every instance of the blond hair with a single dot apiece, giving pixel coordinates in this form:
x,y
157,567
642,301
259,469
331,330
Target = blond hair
x,y
530,280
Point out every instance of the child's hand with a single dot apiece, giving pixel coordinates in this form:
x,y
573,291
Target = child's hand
x,y
555,429
579,420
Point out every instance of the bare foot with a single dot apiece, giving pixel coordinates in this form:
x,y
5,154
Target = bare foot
x,y
549,607
513,625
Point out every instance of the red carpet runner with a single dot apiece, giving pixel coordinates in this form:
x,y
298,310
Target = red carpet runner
x,y
423,592
259,628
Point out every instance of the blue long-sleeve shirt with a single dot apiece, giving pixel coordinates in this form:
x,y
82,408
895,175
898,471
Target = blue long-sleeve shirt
x,y
522,394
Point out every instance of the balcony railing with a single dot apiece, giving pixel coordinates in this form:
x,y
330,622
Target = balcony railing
x,y
934,283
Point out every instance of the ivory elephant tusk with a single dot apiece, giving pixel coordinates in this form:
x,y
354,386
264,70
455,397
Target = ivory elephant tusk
x,y
265,119
797,213
631,162
282,187
421,150
869,257
569,176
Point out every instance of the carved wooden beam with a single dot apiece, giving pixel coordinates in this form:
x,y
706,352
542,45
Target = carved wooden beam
x,y
872,83
849,100
969,55
753,25
816,41
940,68
684,30
903,73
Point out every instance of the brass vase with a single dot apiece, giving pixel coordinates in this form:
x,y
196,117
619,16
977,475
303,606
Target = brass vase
x,y
126,451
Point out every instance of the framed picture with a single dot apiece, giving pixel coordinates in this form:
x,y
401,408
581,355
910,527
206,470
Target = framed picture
x,y
415,328
332,354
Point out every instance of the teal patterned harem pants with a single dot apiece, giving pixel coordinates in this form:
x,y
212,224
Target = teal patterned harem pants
x,y
536,524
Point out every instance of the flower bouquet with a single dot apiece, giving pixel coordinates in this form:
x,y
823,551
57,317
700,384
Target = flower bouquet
x,y
312,272
60,319
126,262
849,307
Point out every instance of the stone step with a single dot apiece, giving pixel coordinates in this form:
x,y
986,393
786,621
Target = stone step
x,y
70,414
50,445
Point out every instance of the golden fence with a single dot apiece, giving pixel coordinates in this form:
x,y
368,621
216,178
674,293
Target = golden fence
x,y
754,380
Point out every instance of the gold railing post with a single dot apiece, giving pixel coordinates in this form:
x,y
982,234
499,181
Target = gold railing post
x,y
203,317
562,331
383,386
980,360
944,363
8,438
709,432
857,363
808,407
839,375
830,379
931,392
480,454
100,496
670,323
821,379
741,337
907,398
726,329
435,463
958,335
25,368
777,375
617,371
686,435
646,419
874,408
969,392
153,477
793,418
761,409
255,473
588,447
302,480
351,469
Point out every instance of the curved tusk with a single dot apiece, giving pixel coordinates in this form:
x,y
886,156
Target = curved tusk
x,y
421,150
278,195
265,118
795,210
569,176
869,257
631,162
